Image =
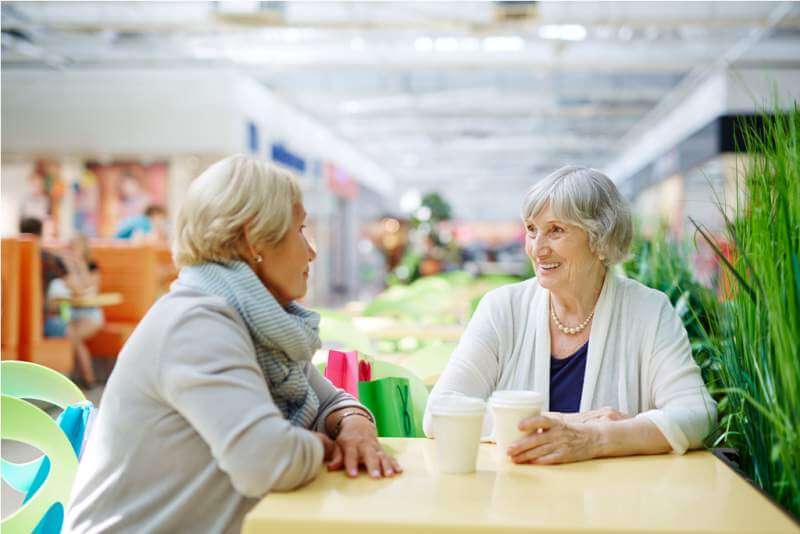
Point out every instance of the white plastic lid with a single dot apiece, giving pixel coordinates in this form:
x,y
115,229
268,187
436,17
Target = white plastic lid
x,y
510,397
458,405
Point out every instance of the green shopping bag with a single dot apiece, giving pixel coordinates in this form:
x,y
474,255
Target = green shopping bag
x,y
390,402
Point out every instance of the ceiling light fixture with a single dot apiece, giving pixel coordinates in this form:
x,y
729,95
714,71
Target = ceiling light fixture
x,y
503,44
563,32
423,44
446,44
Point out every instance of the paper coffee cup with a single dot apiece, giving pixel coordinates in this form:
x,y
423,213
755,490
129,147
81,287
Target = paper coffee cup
x,y
509,407
457,424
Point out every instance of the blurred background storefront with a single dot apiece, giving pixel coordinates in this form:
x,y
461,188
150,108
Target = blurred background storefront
x,y
415,128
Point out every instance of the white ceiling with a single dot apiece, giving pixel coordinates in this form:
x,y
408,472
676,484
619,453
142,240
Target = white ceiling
x,y
466,98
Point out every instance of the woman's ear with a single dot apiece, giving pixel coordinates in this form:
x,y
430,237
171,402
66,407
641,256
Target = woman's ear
x,y
249,245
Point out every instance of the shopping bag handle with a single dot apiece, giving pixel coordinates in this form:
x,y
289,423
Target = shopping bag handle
x,y
407,426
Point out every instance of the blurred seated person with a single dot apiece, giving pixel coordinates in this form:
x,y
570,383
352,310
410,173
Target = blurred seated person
x,y
84,281
151,226
59,285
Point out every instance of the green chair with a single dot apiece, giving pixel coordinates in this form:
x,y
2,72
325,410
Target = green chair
x,y
24,422
26,380
429,362
417,389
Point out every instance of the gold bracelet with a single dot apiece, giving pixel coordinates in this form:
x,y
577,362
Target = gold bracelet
x,y
338,427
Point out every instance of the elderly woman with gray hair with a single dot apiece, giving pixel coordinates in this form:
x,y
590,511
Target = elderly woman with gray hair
x,y
610,356
213,401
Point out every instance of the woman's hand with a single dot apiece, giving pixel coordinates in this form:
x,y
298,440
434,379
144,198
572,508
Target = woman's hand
x,y
553,440
358,444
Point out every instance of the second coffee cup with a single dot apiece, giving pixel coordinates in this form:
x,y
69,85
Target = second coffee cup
x,y
457,423
509,407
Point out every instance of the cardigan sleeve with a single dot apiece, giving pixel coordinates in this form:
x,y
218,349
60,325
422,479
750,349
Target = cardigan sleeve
x,y
330,397
684,411
209,375
473,368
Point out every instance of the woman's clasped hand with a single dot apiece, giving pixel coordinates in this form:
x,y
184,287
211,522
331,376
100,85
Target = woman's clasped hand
x,y
560,438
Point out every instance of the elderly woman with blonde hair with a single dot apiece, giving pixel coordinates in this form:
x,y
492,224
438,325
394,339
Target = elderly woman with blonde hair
x,y
214,402
609,355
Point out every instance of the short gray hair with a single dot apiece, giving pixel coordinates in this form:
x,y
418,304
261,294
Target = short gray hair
x,y
236,191
586,198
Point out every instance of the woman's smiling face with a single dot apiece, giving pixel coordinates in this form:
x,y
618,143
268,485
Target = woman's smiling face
x,y
559,251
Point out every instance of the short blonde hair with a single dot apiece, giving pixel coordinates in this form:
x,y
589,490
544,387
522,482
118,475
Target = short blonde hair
x,y
236,191
588,199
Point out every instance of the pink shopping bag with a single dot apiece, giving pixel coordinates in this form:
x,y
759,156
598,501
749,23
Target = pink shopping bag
x,y
364,371
343,371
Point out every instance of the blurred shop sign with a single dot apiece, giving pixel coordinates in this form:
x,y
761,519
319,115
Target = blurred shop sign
x,y
252,137
282,155
339,182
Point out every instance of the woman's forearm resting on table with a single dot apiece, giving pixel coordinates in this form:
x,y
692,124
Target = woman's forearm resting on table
x,y
555,439
629,437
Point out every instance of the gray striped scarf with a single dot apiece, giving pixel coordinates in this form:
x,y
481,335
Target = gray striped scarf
x,y
285,338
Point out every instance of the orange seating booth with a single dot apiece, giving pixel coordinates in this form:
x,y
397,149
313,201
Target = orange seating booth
x,y
9,257
140,273
23,308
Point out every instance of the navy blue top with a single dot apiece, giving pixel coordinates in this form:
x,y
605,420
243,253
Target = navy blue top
x,y
566,381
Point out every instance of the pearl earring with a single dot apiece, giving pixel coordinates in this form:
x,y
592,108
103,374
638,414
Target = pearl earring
x,y
258,258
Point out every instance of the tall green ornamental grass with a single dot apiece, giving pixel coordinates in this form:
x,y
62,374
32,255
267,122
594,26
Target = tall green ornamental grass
x,y
662,263
759,351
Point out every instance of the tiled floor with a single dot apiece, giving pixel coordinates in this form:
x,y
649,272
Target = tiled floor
x,y
19,452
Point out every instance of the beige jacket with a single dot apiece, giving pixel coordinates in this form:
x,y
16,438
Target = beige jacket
x,y
187,438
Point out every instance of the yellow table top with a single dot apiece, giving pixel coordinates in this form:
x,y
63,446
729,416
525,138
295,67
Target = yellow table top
x,y
667,493
97,301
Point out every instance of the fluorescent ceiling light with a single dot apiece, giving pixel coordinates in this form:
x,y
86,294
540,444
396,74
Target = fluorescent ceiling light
x,y
503,44
469,44
423,44
563,32
446,44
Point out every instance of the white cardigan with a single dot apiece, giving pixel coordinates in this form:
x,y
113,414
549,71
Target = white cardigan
x,y
639,361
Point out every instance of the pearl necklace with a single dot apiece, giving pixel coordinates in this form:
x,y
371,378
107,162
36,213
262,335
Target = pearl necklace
x,y
566,329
